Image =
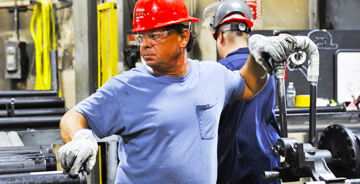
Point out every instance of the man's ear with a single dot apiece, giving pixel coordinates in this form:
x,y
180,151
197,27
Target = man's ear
x,y
185,37
221,37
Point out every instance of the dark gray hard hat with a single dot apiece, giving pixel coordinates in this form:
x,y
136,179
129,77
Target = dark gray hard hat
x,y
228,7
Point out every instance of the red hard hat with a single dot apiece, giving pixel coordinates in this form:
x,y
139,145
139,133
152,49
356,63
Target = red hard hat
x,y
151,14
240,17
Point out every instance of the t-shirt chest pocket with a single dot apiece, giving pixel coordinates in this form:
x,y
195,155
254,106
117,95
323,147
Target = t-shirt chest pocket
x,y
208,117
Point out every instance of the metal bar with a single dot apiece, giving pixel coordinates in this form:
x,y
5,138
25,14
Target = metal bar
x,y
34,112
293,110
279,69
19,158
22,167
312,118
43,147
26,166
33,102
16,17
26,150
27,122
93,45
59,177
28,93
54,70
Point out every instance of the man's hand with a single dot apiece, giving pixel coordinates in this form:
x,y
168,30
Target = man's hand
x,y
276,47
79,152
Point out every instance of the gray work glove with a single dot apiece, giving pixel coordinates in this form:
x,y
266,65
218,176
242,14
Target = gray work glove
x,y
79,153
278,48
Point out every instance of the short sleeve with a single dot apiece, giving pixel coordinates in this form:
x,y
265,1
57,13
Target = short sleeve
x,y
103,111
234,85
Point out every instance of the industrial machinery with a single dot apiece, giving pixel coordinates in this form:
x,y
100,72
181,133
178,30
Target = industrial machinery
x,y
33,164
336,160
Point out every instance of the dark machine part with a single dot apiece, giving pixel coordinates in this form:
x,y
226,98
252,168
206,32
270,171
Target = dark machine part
x,y
131,51
28,166
344,147
59,177
337,159
312,117
19,158
26,150
279,69
33,112
32,102
301,160
32,121
54,70
28,93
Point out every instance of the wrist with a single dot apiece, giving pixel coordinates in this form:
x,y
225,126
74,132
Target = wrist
x,y
84,133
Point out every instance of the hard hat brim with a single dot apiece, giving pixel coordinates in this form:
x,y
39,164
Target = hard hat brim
x,y
237,17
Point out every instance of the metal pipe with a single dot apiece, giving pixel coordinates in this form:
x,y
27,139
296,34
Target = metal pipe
x,y
16,17
279,69
28,93
27,122
293,110
49,148
312,117
26,166
32,102
25,150
59,177
54,69
19,158
34,112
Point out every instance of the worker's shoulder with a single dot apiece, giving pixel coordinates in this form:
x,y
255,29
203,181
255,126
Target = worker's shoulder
x,y
206,64
137,73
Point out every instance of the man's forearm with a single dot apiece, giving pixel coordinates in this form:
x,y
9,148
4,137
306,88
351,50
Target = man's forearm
x,y
71,122
255,77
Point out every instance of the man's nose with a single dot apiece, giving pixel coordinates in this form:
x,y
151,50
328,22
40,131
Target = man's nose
x,y
145,43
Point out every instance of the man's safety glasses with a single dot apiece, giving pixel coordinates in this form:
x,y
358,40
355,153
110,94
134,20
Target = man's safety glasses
x,y
153,38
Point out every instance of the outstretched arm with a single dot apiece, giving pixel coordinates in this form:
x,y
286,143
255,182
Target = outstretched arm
x,y
259,64
255,77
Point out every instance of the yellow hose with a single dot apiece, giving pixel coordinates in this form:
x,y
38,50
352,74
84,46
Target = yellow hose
x,y
42,41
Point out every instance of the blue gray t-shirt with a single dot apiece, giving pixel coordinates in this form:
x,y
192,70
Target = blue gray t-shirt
x,y
167,125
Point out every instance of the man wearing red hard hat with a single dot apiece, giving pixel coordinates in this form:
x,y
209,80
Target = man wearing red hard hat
x,y
167,111
247,129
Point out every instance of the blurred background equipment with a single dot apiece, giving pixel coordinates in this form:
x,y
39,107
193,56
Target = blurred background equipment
x,y
15,51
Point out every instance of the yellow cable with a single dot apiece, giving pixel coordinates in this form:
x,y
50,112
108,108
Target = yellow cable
x,y
38,44
100,172
53,26
42,41
46,46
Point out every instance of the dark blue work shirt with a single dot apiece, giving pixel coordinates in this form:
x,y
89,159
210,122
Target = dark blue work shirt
x,y
247,130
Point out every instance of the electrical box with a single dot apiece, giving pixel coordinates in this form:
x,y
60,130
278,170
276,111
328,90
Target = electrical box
x,y
16,60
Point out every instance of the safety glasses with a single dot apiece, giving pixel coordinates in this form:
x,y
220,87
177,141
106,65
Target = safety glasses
x,y
153,38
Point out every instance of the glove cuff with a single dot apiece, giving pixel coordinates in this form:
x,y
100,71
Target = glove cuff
x,y
84,133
